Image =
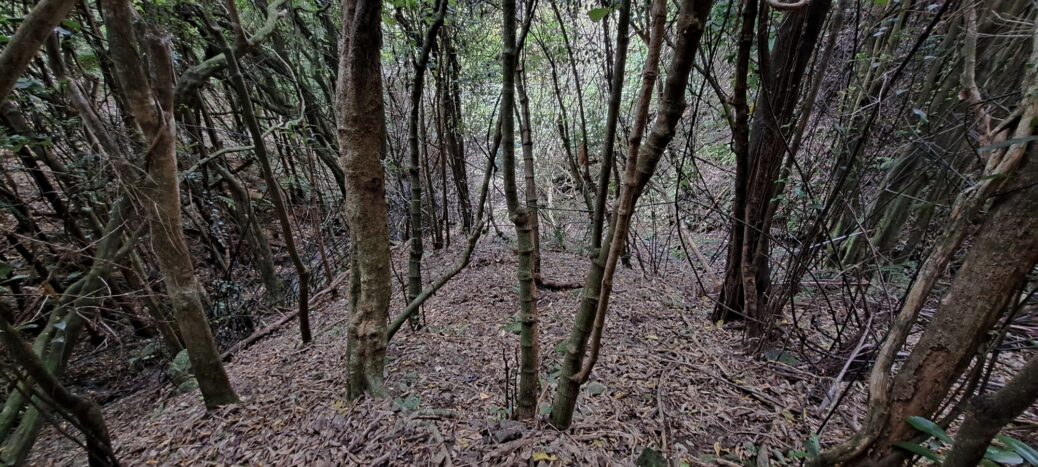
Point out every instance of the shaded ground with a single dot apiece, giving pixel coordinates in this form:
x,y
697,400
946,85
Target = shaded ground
x,y
667,379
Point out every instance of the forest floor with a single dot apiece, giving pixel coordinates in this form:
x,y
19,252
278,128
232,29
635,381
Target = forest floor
x,y
668,379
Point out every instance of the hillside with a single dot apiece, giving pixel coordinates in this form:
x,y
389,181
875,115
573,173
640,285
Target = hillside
x,y
669,380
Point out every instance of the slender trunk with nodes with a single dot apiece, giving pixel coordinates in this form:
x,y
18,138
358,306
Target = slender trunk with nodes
x,y
414,264
641,165
521,217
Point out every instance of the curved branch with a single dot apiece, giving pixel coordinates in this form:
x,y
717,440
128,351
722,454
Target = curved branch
x,y
28,39
194,77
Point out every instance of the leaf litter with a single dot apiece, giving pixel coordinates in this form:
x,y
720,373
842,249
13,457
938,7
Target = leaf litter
x,y
669,383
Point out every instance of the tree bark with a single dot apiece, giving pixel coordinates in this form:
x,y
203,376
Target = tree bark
x,y
1001,166
782,73
529,174
1003,253
158,196
414,263
989,413
273,187
85,413
33,31
520,216
361,127
612,117
640,168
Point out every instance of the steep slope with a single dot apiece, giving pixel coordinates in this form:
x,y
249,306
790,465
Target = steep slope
x,y
668,379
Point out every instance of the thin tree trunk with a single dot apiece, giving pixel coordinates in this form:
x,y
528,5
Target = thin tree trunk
x,y
529,173
968,206
520,215
414,264
768,146
1003,253
455,138
616,87
582,151
640,168
273,187
989,413
32,32
85,413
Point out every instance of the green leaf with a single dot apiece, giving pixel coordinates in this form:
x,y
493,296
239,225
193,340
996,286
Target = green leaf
x,y
919,450
5,269
560,348
813,447
597,14
1003,456
71,25
798,454
881,2
928,427
1026,452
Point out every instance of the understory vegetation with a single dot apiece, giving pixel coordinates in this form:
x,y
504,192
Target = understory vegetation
x,y
686,232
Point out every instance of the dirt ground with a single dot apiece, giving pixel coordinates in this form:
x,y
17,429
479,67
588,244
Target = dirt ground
x,y
668,380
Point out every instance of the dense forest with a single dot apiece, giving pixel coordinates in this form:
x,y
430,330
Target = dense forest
x,y
519,232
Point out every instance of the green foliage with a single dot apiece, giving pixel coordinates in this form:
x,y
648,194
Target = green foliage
x,y
180,373
1009,451
926,426
813,446
919,450
1029,454
597,14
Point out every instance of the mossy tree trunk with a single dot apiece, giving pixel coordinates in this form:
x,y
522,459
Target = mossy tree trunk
x,y
158,196
361,130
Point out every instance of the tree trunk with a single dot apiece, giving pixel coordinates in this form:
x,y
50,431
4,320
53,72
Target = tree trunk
x,y
521,218
85,413
455,138
529,173
768,145
32,32
989,413
642,160
414,264
159,195
1003,253
1001,166
612,117
259,147
730,300
361,127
